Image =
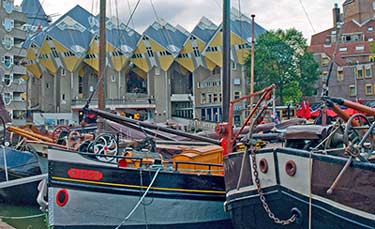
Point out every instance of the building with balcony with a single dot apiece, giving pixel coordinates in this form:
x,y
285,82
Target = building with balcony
x,y
17,22
352,36
164,73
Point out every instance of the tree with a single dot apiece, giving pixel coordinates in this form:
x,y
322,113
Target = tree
x,y
281,58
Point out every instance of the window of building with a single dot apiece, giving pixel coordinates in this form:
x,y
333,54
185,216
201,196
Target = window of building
x,y
340,74
220,97
113,78
63,97
69,53
183,55
7,97
7,79
360,48
212,49
117,53
237,81
368,89
215,98
209,98
324,76
7,61
203,98
234,65
370,39
196,52
165,53
47,85
203,114
237,94
359,73
324,60
216,71
8,42
80,85
8,24
137,55
343,49
150,53
157,71
209,114
352,90
62,72
368,71
91,56
54,52
370,28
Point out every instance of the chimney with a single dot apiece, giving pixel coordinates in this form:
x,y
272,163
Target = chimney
x,y
336,15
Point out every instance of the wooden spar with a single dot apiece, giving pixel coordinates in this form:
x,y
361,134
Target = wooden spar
x,y
125,121
353,105
252,60
28,135
226,78
102,54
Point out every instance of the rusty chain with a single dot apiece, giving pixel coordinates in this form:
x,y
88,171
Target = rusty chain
x,y
262,198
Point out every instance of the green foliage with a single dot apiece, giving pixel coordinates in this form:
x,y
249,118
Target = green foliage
x,y
281,58
372,47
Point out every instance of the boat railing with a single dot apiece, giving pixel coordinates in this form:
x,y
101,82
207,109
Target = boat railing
x,y
209,166
167,165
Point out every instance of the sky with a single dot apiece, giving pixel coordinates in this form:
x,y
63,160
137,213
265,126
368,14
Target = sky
x,y
271,14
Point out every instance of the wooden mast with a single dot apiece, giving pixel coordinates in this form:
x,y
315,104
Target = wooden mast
x,y
252,61
102,60
226,85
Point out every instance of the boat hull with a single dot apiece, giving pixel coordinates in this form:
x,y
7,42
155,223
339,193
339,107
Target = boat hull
x,y
20,166
178,200
284,193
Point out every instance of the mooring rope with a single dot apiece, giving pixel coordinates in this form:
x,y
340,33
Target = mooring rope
x,y
140,200
22,217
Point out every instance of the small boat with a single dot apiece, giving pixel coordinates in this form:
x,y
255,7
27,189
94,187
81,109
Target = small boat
x,y
322,177
136,192
20,174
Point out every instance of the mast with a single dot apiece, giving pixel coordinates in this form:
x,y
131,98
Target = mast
x,y
252,61
226,85
102,50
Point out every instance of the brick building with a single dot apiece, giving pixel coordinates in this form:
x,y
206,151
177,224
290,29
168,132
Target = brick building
x,y
352,37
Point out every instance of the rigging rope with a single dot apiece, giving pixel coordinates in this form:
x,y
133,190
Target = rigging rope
x,y
307,16
140,200
22,217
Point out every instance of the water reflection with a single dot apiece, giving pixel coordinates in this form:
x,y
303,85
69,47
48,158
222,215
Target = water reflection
x,y
14,216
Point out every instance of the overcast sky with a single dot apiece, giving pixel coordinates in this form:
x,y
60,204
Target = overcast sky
x,y
271,14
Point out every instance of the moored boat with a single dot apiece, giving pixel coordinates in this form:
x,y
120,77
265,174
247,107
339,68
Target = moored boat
x,y
323,177
20,174
88,193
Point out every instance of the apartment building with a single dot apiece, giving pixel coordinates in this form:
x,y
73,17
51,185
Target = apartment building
x,y
352,36
18,22
163,73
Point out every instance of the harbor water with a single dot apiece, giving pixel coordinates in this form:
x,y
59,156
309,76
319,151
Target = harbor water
x,y
22,217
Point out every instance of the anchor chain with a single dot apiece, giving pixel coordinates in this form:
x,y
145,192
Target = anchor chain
x,y
262,198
